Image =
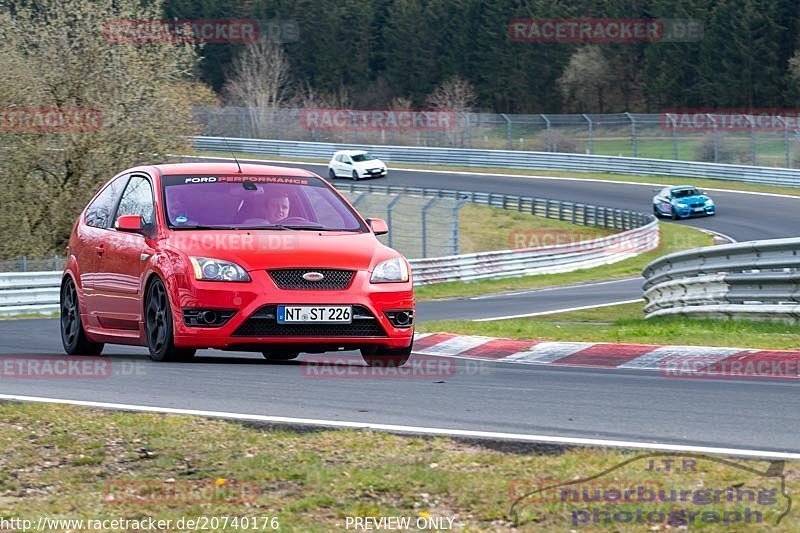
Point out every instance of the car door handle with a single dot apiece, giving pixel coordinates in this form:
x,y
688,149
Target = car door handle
x,y
100,249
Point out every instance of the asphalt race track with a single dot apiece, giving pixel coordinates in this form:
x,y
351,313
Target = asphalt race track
x,y
624,405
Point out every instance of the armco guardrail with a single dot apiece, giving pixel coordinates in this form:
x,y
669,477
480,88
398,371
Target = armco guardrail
x,y
38,292
755,280
29,292
510,159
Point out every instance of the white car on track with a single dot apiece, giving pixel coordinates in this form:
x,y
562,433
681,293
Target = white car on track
x,y
355,164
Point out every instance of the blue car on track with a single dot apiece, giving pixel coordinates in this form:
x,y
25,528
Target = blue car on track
x,y
682,202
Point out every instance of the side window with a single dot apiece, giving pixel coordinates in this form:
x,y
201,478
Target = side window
x,y
137,200
100,211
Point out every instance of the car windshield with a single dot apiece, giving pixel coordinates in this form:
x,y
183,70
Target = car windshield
x,y
255,202
358,158
683,193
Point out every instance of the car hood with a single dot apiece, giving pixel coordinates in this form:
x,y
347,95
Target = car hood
x,y
373,163
258,250
692,199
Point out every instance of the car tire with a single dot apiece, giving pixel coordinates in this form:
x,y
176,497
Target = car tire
x,y
656,212
355,175
280,356
674,214
331,174
159,327
73,336
385,358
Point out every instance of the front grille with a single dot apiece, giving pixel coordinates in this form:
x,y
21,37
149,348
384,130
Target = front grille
x,y
263,323
292,279
701,204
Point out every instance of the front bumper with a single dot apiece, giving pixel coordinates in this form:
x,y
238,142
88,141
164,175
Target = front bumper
x,y
374,173
249,328
695,211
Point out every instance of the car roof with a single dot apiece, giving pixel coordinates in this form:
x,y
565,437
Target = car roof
x,y
682,187
173,169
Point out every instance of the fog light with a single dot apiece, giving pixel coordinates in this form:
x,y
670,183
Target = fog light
x,y
401,319
206,318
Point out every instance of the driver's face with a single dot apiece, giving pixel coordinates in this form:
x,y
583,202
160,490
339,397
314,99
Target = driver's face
x,y
278,208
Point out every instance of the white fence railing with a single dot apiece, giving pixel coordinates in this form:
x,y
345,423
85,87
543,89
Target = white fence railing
x,y
755,280
464,157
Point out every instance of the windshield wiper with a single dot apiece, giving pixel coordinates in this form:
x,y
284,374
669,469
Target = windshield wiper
x,y
202,226
303,228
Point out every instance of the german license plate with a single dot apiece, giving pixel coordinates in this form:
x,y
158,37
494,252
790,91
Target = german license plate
x,y
316,314
698,209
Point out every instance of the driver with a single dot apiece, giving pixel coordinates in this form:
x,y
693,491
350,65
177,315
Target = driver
x,y
278,208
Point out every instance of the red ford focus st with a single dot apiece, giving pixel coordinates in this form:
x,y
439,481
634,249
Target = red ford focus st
x,y
266,259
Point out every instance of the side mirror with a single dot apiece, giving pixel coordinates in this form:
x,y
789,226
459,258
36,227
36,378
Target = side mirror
x,y
378,226
130,223
347,162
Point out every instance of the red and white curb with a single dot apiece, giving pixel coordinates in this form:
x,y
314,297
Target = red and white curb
x,y
672,361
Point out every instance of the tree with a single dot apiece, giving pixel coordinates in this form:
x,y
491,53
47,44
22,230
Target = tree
x,y
55,55
586,80
455,94
259,82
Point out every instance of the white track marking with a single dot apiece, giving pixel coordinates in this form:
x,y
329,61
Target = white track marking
x,y
547,352
526,176
674,354
520,437
456,345
555,311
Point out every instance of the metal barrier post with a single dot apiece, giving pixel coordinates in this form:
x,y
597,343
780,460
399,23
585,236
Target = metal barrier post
x,y
714,137
425,208
455,225
752,138
591,133
508,131
389,209
674,136
633,134
549,134
358,200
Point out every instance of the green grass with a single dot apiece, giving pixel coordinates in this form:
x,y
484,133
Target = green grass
x,y
483,229
656,180
626,324
70,462
674,237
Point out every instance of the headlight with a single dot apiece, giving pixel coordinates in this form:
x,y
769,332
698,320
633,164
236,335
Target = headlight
x,y
709,202
681,204
391,270
206,269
